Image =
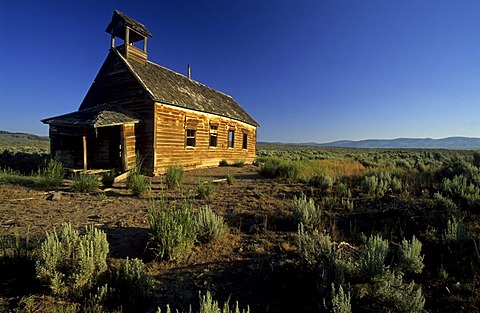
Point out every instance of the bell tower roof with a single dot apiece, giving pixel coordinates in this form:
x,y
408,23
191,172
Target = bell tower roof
x,y
120,22
130,31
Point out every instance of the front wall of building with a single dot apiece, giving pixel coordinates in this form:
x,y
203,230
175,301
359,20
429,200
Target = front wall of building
x,y
183,138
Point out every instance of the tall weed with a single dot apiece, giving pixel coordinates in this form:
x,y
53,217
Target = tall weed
x,y
205,190
108,178
173,177
130,284
51,174
410,258
372,255
172,231
306,212
389,293
340,300
456,231
83,182
209,226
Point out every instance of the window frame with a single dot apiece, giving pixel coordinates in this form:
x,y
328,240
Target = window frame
x,y
190,138
213,135
231,139
245,141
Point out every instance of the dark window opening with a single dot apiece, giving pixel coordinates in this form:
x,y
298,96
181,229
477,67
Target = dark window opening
x,y
231,138
213,136
190,138
245,141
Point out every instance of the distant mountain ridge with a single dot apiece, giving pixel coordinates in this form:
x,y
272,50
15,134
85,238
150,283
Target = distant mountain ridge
x,y
419,143
464,143
460,143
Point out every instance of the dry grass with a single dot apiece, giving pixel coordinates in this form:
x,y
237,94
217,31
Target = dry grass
x,y
332,168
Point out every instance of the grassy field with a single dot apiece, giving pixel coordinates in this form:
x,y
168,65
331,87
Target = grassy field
x,y
22,142
306,229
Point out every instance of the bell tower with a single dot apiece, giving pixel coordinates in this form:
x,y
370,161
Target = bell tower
x,y
131,32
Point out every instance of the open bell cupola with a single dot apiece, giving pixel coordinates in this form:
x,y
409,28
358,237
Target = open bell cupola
x,y
130,31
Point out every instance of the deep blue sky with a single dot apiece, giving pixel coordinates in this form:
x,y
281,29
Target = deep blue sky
x,y
305,70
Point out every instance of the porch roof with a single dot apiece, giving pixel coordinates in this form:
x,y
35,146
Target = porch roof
x,y
102,115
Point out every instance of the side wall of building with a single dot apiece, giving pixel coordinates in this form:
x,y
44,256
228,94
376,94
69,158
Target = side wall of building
x,y
195,139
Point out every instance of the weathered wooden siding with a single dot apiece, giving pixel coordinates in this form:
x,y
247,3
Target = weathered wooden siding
x,y
170,139
128,144
115,83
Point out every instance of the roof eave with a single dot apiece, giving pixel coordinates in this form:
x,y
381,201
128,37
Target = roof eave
x,y
255,124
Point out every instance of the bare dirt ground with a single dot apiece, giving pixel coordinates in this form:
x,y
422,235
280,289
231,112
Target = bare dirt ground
x,y
250,265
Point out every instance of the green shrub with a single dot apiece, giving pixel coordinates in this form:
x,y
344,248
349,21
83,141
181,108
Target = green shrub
x,y
331,262
313,245
205,190
323,182
51,174
377,185
289,170
306,212
139,184
277,168
25,161
444,203
230,179
223,163
72,264
16,249
9,176
372,256
130,284
238,163
173,177
390,294
340,300
269,168
209,305
209,226
456,231
84,182
461,189
371,185
410,258
108,178
348,204
172,231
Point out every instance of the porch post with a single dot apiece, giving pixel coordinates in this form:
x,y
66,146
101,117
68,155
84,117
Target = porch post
x,y
84,151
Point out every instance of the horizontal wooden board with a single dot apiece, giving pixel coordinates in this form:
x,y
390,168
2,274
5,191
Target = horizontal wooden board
x,y
170,139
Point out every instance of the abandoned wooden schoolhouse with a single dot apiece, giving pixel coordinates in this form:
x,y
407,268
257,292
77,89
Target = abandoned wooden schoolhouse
x,y
135,106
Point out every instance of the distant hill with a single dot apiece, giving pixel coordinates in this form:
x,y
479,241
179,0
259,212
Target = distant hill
x,y
463,143
23,142
419,143
6,136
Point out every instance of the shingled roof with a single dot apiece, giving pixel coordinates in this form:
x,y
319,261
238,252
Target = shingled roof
x,y
98,116
169,87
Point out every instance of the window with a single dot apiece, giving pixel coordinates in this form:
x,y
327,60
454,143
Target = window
x,y
191,138
245,141
213,135
231,138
